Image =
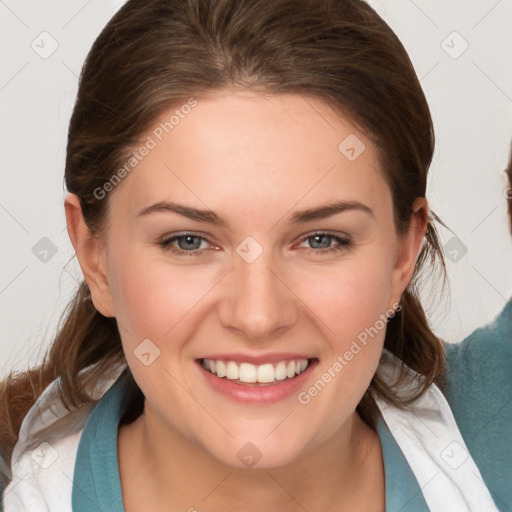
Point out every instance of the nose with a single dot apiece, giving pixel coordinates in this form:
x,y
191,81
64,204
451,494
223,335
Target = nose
x,y
259,302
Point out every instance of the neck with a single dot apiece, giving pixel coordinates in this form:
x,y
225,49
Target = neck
x,y
344,472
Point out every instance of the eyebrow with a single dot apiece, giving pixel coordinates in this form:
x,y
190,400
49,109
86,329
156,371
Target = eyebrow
x,y
299,217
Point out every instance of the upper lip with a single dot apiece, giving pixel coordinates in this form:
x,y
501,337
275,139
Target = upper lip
x,y
256,359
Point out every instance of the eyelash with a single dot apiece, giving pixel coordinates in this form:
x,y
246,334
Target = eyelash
x,y
343,243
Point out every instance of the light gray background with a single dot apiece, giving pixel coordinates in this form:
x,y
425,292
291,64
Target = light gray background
x,y
470,95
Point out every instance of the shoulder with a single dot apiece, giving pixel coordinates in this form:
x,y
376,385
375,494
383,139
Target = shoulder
x,y
485,347
479,368
43,459
477,384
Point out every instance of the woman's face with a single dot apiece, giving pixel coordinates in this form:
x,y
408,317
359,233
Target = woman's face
x,y
248,281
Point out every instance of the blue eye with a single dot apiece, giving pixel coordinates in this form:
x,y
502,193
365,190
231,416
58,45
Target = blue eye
x,y
188,239
188,243
342,243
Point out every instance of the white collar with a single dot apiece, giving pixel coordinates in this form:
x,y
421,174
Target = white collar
x,y
430,440
43,459
425,431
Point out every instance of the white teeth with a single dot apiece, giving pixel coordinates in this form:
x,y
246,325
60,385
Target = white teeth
x,y
250,373
280,370
290,371
221,369
232,370
266,373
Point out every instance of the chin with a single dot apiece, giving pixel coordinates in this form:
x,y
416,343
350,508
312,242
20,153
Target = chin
x,y
257,454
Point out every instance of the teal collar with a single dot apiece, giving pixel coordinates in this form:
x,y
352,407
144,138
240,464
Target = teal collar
x,y
96,480
97,485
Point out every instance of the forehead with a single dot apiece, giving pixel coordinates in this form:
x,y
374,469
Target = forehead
x,y
252,150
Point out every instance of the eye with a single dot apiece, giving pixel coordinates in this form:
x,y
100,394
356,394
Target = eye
x,y
187,244
322,240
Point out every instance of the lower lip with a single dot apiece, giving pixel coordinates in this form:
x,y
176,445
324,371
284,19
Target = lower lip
x,y
257,393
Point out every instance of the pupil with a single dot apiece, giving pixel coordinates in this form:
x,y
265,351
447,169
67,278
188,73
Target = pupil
x,y
316,237
187,238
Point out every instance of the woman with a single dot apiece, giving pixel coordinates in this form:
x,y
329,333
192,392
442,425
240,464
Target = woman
x,y
274,358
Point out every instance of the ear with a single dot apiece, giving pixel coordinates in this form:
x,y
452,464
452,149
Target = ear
x,y
410,244
91,255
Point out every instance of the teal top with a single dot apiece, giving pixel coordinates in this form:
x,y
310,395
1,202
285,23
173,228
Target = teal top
x,y
479,390
477,385
97,485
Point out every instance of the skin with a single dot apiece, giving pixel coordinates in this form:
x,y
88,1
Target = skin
x,y
254,159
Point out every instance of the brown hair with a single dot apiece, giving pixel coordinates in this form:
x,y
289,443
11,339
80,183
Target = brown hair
x,y
155,54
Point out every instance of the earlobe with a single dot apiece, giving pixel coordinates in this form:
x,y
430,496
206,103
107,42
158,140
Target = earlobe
x,y
409,249
91,255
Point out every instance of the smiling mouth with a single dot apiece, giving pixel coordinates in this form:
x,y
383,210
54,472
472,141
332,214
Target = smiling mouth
x,y
258,375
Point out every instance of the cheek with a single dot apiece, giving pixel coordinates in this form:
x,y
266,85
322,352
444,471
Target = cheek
x,y
348,298
158,302
151,296
351,302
